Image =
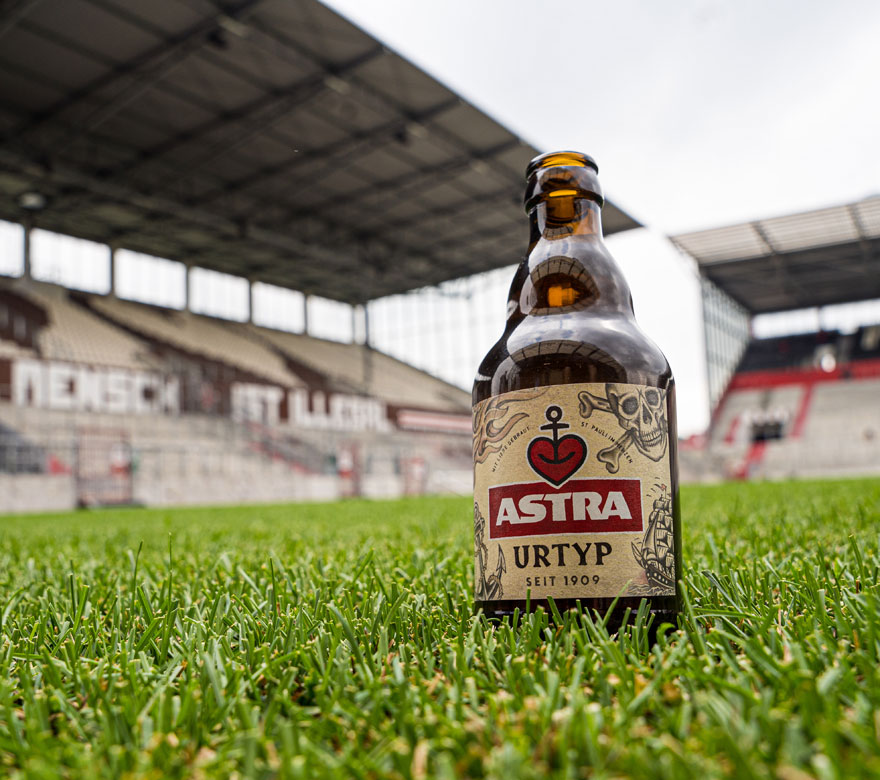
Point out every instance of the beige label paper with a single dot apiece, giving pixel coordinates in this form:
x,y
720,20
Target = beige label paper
x,y
572,493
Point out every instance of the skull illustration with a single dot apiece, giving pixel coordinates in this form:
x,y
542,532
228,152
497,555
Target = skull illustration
x,y
641,412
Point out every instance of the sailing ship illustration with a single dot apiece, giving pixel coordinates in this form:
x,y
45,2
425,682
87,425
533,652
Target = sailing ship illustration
x,y
654,552
487,587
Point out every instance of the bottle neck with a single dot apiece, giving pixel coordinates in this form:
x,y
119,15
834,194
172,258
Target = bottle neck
x,y
568,267
561,215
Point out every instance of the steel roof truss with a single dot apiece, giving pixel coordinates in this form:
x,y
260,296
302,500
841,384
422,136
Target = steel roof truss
x,y
143,71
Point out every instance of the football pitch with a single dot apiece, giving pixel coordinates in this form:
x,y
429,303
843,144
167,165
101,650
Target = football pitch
x,y
338,640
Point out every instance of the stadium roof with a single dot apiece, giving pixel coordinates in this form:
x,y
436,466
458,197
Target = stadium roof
x,y
815,258
270,139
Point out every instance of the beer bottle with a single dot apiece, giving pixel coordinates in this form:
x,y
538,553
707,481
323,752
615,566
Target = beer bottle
x,y
575,460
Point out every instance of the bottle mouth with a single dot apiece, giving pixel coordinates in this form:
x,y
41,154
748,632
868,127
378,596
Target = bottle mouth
x,y
562,174
559,159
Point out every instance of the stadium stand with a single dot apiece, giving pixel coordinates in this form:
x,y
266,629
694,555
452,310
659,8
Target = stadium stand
x,y
189,333
210,446
796,407
787,352
367,371
61,330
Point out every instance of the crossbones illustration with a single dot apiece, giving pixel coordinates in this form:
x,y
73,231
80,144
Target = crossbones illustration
x,y
640,411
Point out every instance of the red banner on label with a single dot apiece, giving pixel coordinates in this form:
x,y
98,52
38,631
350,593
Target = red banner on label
x,y
581,506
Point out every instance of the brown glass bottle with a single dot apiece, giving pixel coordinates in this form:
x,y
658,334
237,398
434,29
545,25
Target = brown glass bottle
x,y
571,322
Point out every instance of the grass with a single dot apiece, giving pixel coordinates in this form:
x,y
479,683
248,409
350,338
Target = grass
x,y
338,641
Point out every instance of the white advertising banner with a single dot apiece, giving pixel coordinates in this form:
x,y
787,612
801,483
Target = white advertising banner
x,y
75,387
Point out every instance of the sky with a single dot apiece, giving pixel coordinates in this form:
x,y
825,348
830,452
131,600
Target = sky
x,y
700,114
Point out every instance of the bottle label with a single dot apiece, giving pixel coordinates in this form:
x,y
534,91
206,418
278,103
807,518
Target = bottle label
x,y
573,493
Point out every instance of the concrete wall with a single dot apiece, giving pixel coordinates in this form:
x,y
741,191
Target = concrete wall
x,y
36,493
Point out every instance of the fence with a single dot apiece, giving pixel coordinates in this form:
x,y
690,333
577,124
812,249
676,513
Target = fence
x,y
89,459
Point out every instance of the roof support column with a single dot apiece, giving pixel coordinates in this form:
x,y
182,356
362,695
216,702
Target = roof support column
x,y
306,297
26,250
367,351
186,287
250,317
360,324
112,291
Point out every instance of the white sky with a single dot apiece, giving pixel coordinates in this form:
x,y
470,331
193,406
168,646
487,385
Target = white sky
x,y
700,113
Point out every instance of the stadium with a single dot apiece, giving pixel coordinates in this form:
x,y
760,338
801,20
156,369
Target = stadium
x,y
250,258
802,404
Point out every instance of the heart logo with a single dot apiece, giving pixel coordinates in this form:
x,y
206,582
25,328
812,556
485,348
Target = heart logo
x,y
556,459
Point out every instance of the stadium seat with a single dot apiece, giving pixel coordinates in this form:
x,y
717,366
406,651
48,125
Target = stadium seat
x,y
367,371
76,335
212,338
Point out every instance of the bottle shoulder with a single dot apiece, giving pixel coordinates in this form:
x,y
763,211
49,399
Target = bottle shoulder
x,y
571,348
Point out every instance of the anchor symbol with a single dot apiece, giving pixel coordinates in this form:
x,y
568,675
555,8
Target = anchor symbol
x,y
556,459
